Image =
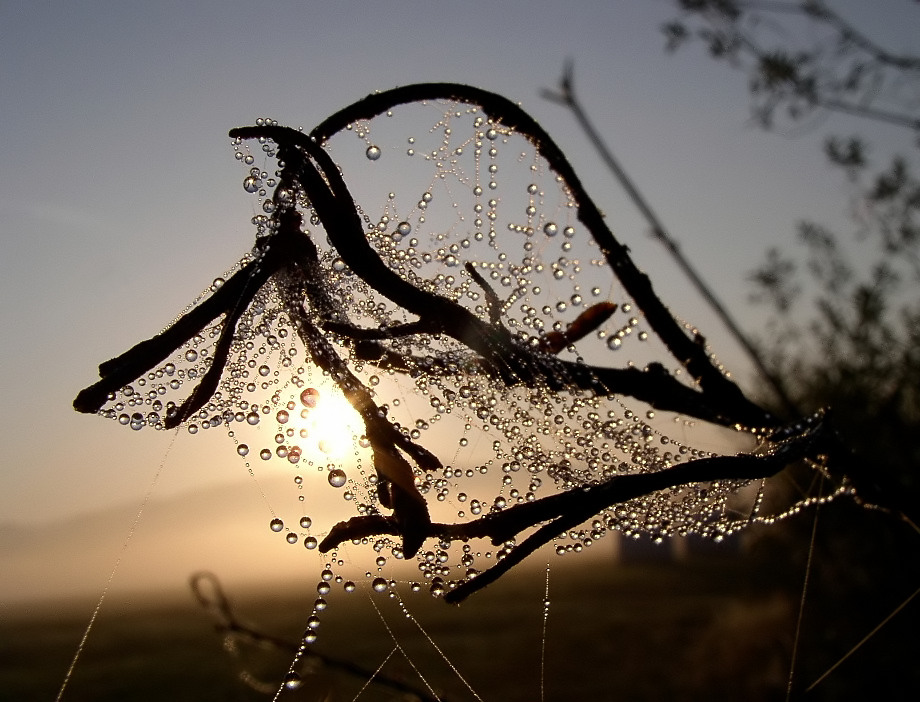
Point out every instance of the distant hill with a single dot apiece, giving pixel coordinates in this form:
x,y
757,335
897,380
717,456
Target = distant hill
x,y
224,529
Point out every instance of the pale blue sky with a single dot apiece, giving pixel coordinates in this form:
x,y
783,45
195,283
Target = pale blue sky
x,y
120,199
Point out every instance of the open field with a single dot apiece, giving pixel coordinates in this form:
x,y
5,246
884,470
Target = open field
x,y
703,630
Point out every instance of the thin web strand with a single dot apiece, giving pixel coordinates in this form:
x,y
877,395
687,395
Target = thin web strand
x,y
863,640
108,582
798,623
401,649
376,672
543,639
441,653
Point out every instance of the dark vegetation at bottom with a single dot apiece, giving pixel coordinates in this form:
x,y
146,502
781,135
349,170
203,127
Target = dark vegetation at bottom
x,y
711,627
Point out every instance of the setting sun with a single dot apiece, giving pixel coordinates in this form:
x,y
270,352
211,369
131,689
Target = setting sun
x,y
328,423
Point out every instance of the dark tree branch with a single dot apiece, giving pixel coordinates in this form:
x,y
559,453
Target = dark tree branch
x,y
343,228
288,257
846,72
563,511
566,96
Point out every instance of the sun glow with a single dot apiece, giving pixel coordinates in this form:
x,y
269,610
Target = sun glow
x,y
327,424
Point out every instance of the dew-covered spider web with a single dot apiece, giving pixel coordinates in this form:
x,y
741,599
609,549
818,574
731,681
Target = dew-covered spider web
x,y
466,368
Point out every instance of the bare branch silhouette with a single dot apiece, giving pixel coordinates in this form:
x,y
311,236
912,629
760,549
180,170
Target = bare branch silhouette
x,y
286,257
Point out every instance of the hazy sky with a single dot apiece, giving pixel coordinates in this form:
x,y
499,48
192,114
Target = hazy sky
x,y
120,199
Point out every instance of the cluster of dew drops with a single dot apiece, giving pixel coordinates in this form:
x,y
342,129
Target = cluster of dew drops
x,y
561,441
528,440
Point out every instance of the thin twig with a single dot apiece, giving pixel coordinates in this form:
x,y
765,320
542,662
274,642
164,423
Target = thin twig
x,y
566,96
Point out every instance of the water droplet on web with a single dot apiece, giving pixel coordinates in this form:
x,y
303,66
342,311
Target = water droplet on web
x,y
372,153
305,522
276,525
242,449
337,478
292,681
550,229
380,585
251,184
309,397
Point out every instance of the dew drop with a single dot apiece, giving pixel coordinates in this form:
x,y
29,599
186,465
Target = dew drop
x,y
292,681
379,585
305,522
550,229
242,449
337,478
276,524
309,397
251,184
372,153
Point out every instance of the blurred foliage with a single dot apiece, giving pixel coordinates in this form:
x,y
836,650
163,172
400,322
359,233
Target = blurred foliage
x,y
844,330
844,322
802,58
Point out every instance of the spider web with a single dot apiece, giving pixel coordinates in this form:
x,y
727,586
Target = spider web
x,y
466,208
